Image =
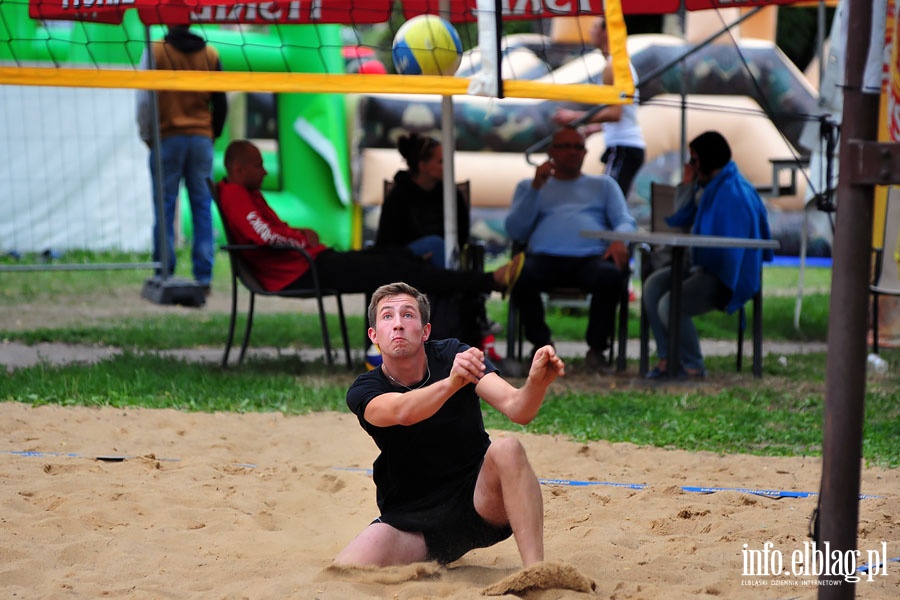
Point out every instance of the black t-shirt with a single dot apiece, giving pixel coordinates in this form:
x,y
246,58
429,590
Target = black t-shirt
x,y
422,465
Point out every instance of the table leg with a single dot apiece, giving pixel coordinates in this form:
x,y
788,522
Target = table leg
x,y
674,359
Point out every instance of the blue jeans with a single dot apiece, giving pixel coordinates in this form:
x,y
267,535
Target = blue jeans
x,y
189,157
701,292
430,244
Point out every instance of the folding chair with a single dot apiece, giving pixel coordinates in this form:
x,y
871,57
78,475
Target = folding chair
x,y
663,200
241,272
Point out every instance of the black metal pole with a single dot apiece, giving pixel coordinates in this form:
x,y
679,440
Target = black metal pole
x,y
159,196
846,361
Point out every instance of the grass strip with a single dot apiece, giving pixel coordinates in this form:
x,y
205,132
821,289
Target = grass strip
x,y
779,415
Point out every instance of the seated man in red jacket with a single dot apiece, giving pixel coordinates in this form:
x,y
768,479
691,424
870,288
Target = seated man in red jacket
x,y
251,221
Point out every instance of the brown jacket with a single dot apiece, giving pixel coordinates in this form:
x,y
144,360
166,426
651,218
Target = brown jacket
x,y
188,113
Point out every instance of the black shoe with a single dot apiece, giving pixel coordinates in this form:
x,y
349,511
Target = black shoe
x,y
596,361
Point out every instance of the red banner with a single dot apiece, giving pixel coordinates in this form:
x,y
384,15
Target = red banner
x,y
351,12
464,11
708,4
357,12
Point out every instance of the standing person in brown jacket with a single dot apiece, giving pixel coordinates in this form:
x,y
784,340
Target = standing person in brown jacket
x,y
188,124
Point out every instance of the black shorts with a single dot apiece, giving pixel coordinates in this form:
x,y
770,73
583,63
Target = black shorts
x,y
453,528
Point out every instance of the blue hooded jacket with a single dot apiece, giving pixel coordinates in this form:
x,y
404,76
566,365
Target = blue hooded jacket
x,y
729,206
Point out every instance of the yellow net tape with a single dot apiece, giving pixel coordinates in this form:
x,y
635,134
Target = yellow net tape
x,y
620,92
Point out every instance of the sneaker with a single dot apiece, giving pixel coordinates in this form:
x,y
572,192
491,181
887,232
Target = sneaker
x,y
660,371
657,373
488,346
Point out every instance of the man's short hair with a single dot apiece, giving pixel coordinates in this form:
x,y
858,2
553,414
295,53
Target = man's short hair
x,y
712,150
396,289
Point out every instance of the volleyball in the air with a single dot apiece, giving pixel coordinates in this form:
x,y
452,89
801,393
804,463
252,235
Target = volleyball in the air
x,y
373,357
426,45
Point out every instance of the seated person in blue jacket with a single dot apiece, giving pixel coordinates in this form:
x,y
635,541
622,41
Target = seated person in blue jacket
x,y
714,199
441,485
548,213
412,214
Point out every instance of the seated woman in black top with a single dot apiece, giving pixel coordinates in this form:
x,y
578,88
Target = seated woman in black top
x,y
413,211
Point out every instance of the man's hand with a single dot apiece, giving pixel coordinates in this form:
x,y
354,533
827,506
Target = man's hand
x,y
565,116
542,173
591,128
546,366
688,174
618,253
468,367
312,238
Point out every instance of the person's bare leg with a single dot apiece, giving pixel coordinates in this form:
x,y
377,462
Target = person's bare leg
x,y
380,545
508,491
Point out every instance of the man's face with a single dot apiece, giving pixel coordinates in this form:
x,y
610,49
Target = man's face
x,y
567,152
250,171
699,174
599,36
398,327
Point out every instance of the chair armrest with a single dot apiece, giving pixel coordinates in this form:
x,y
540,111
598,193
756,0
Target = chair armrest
x,y
280,248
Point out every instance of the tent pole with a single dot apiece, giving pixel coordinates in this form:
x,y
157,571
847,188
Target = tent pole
x,y
845,383
448,133
682,146
451,251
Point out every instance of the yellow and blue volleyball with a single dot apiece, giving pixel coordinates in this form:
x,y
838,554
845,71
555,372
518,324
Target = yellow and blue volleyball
x,y
373,357
427,45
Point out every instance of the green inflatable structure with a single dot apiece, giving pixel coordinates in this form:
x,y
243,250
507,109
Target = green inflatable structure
x,y
307,155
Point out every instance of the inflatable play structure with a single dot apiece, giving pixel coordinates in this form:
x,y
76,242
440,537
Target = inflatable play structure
x,y
760,117
303,137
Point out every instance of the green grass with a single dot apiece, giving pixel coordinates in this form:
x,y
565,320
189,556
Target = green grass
x,y
780,297
154,381
781,414
286,330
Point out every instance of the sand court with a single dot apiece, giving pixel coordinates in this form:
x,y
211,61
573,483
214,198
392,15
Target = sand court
x,y
195,505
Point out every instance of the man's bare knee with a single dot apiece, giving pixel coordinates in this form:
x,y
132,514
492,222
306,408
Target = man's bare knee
x,y
507,453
